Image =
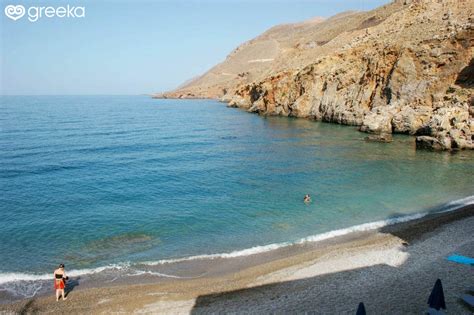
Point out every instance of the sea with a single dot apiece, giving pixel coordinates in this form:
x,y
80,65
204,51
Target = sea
x,y
112,184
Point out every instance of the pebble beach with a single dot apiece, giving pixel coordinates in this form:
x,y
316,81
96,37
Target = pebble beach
x,y
392,270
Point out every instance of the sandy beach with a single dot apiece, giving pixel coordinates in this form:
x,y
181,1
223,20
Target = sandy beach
x,y
392,270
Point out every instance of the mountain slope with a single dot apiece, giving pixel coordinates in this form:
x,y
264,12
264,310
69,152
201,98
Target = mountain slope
x,y
405,67
287,46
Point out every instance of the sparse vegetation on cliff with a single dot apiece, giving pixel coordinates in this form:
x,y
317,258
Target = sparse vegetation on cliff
x,y
406,67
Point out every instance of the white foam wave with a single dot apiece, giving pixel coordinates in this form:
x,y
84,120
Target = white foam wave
x,y
159,274
450,206
15,276
25,291
457,204
234,254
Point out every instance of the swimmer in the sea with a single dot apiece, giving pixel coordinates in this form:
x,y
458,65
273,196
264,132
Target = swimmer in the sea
x,y
307,198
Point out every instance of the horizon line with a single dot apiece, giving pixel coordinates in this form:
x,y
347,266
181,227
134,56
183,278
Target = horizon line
x,y
139,94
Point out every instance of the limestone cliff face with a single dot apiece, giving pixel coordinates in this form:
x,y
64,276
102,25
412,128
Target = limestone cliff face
x,y
410,74
282,47
406,67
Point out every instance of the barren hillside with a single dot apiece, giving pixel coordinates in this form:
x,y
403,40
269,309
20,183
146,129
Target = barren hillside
x,y
287,46
406,67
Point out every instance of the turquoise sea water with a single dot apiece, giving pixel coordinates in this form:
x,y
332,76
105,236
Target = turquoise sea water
x,y
96,180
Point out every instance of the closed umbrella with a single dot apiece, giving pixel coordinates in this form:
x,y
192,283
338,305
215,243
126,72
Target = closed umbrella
x,y
361,309
436,299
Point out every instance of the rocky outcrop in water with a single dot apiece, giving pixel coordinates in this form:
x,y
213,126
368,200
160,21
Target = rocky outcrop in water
x,y
386,82
406,68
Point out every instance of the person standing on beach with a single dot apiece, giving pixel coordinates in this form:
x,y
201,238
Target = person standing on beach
x,y
59,282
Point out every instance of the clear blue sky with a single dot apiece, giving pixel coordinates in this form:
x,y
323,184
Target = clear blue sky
x,y
136,47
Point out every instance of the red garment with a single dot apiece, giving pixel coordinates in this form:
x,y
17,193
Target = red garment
x,y
59,284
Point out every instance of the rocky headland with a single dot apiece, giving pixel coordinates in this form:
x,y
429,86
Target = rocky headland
x,y
406,67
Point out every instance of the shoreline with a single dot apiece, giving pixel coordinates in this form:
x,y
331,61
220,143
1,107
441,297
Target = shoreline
x,y
423,142
385,246
204,265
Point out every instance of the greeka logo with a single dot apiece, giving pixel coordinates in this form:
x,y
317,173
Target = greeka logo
x,y
16,12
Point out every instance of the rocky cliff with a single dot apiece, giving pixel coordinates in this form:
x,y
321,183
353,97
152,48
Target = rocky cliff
x,y
406,67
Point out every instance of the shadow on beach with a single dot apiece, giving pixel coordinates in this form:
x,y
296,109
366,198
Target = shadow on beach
x,y
71,284
415,229
384,288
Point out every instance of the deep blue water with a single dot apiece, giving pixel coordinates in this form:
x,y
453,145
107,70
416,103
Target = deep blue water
x,y
94,180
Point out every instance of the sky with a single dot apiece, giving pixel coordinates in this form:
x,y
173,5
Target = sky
x,y
137,46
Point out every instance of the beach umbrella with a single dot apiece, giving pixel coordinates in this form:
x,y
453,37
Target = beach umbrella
x,y
436,299
361,309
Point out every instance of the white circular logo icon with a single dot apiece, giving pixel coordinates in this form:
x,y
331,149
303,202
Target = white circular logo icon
x,y
14,12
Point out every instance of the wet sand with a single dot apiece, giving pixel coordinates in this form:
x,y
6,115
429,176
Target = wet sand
x,y
392,270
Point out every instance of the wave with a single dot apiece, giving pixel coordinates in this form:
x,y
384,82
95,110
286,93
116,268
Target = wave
x,y
15,276
10,277
448,207
164,275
